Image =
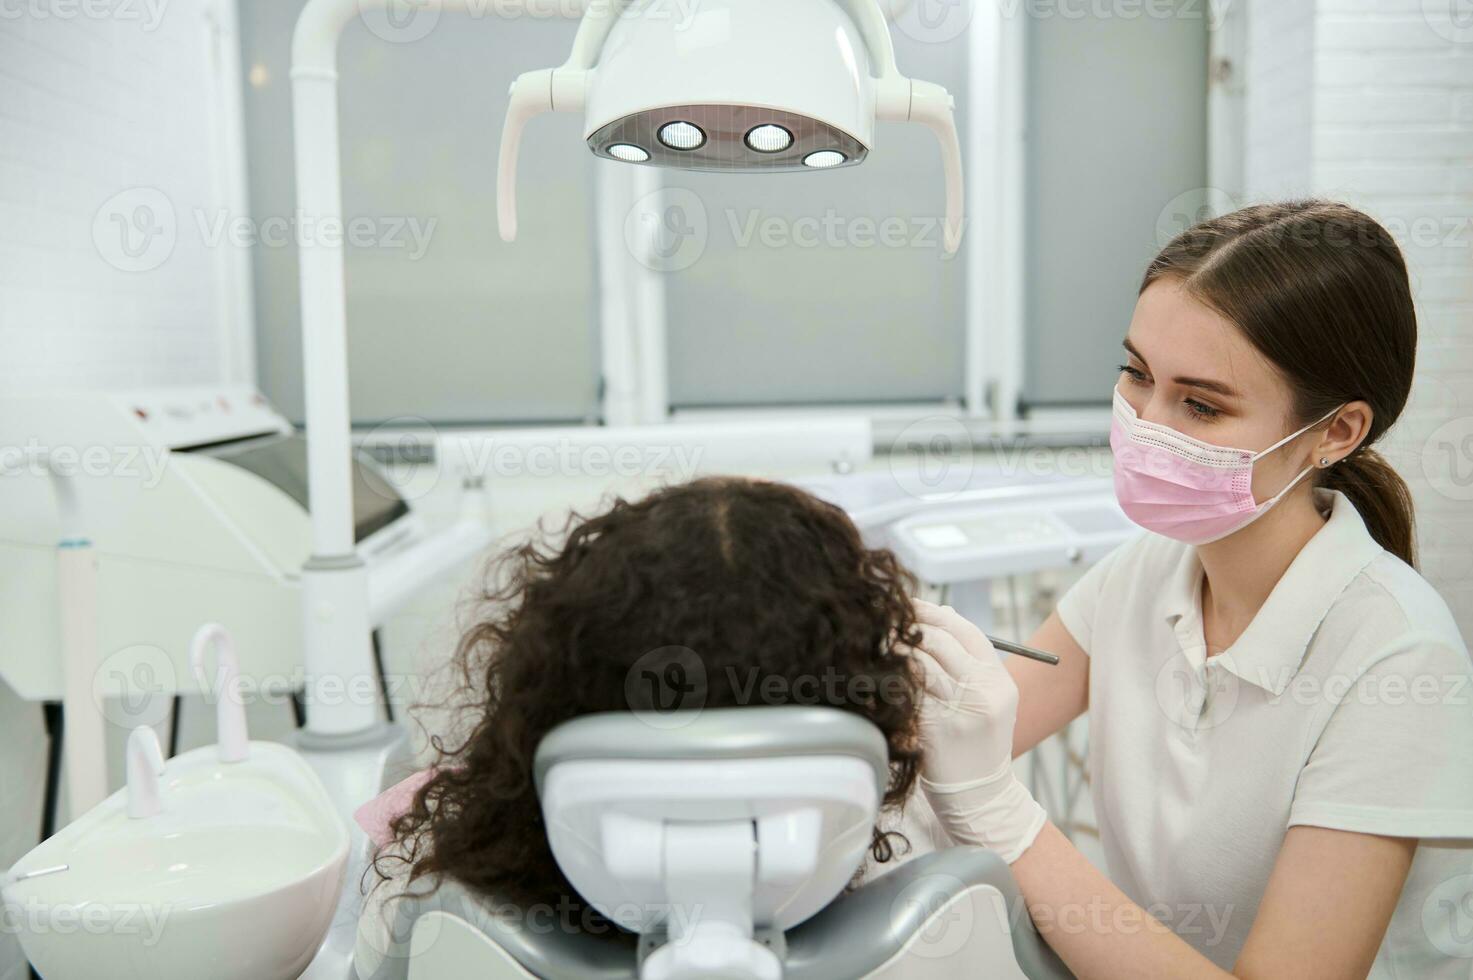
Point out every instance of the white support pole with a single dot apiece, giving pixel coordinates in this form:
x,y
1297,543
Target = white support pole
x,y
324,307
1010,273
650,321
984,139
341,696
617,314
336,634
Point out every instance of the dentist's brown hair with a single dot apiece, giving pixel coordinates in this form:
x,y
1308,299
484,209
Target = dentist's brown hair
x,y
1321,290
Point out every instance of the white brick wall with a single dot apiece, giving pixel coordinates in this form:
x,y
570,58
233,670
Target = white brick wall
x,y
106,119
1384,92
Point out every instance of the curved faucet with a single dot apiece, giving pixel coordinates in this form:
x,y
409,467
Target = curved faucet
x,y
145,764
230,718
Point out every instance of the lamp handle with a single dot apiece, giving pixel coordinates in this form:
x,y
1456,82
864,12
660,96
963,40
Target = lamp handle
x,y
909,100
531,95
931,105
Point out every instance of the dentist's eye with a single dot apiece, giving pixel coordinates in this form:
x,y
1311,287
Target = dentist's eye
x,y
1136,375
1200,410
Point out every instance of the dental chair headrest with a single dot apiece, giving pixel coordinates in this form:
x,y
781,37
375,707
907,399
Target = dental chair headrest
x,y
708,826
718,733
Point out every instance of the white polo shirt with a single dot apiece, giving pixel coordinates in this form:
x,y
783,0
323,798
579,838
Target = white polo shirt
x,y
1347,703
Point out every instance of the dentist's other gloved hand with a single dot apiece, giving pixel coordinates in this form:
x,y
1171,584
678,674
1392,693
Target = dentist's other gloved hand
x,y
967,723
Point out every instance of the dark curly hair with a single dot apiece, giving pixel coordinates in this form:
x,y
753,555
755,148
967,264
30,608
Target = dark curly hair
x,y
768,586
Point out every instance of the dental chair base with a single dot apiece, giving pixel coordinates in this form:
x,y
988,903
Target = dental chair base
x,y
352,768
953,913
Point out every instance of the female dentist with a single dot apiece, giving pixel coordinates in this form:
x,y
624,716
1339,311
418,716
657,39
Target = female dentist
x,y
1281,714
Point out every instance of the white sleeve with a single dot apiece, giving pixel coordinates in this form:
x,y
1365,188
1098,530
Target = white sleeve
x,y
1078,606
1393,757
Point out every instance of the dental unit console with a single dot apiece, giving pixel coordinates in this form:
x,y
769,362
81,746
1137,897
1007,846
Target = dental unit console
x,y
191,503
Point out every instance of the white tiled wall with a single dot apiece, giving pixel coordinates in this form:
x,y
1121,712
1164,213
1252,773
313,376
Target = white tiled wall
x,y
1379,112
109,111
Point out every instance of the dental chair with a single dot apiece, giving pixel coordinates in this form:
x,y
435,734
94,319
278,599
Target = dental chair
x,y
720,843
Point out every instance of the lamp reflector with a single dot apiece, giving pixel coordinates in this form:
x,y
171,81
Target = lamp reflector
x,y
823,159
682,135
769,138
629,153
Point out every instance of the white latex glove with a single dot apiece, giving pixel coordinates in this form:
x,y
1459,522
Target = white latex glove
x,y
966,727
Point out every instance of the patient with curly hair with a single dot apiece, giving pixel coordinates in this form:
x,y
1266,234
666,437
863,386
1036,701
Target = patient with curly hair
x,y
767,584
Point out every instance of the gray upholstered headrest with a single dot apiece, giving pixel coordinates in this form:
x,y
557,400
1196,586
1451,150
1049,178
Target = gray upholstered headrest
x,y
716,733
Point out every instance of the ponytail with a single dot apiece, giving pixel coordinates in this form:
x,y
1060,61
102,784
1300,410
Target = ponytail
x,y
1381,497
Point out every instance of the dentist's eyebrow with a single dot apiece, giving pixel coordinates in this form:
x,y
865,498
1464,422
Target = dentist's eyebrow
x,y
1216,387
1133,352
1202,384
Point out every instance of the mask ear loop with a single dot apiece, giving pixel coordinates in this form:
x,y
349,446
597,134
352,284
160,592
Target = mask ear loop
x,y
1295,435
1291,485
1270,502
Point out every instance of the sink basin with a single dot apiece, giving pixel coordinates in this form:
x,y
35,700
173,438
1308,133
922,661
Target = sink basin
x,y
237,876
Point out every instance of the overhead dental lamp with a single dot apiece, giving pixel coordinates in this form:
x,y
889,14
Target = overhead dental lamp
x,y
719,85
732,85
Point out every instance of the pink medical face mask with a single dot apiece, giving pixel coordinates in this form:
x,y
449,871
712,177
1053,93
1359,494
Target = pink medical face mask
x,y
1183,488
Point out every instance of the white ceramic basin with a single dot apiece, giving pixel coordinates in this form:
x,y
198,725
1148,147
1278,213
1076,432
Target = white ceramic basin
x,y
236,879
